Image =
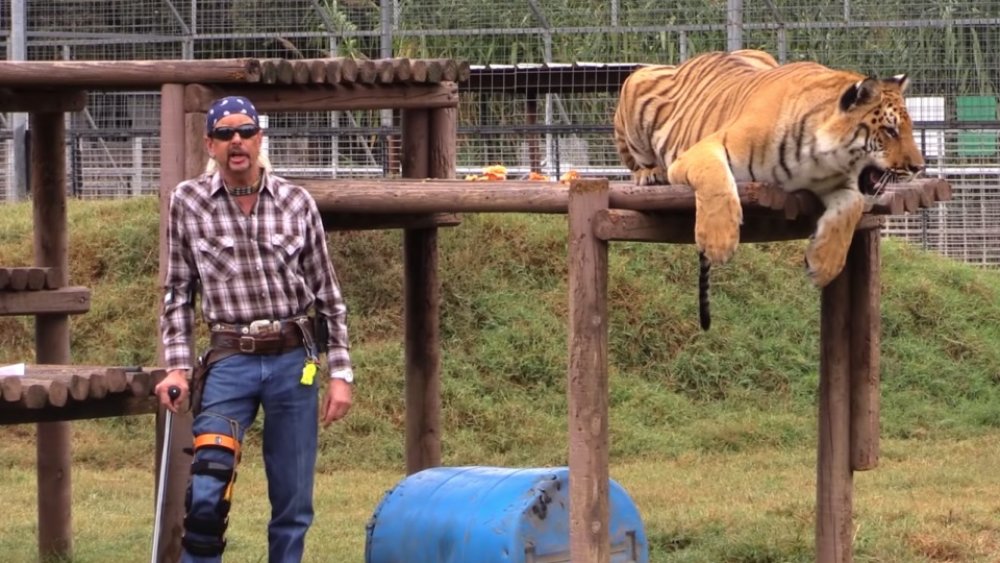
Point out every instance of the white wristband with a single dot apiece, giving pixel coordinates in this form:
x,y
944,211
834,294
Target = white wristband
x,y
343,374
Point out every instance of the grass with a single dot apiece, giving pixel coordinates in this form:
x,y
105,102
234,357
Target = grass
x,y
713,433
929,502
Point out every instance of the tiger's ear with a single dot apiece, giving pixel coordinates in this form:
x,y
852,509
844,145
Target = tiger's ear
x,y
858,94
900,80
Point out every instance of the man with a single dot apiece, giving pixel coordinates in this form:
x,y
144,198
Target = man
x,y
254,246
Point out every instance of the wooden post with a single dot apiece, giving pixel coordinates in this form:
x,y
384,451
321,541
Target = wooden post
x,y
195,154
48,194
587,382
834,489
866,325
415,129
172,171
443,142
421,310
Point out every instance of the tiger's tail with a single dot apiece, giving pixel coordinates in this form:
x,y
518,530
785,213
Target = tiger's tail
x,y
704,315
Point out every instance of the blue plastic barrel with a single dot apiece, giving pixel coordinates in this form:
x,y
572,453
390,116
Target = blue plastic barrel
x,y
491,514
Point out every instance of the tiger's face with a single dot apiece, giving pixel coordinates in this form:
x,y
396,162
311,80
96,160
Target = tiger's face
x,y
886,130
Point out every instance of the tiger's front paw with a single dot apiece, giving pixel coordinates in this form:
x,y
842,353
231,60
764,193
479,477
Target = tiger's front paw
x,y
827,251
649,176
825,259
717,227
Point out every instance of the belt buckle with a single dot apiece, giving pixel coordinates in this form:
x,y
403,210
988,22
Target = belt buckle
x,y
248,345
264,326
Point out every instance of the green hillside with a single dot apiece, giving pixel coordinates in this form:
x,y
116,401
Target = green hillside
x,y
749,382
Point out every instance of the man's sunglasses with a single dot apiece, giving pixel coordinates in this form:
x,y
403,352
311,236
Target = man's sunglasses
x,y
226,133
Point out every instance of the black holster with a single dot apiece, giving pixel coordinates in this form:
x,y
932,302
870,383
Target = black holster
x,y
200,373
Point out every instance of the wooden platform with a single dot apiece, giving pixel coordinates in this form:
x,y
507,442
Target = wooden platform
x,y
47,393
770,212
119,75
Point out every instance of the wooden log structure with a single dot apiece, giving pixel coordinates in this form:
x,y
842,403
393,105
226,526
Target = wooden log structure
x,y
65,300
53,80
274,84
199,97
125,74
52,444
849,356
42,100
28,279
177,149
50,392
48,89
587,380
426,94
371,196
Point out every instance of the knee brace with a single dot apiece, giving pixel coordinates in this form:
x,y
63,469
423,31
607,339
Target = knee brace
x,y
216,455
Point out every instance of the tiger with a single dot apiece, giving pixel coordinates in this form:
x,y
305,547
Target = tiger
x,y
727,117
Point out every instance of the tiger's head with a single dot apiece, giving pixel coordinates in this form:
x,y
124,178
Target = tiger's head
x,y
882,137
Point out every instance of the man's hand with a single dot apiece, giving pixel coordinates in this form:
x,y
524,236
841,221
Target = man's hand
x,y
337,402
175,378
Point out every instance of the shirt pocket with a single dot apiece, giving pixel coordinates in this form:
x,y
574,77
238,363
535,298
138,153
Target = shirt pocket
x,y
287,250
216,258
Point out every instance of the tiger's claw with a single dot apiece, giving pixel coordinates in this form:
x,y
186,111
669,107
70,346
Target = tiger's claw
x,y
649,176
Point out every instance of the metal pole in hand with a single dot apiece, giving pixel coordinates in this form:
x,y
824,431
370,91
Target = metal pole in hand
x,y
173,392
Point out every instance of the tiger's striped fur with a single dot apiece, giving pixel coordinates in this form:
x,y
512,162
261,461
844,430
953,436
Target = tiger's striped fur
x,y
722,118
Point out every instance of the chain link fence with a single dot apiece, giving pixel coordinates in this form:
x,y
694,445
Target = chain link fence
x,y
544,86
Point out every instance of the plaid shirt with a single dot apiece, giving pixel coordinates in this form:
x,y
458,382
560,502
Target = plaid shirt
x,y
271,265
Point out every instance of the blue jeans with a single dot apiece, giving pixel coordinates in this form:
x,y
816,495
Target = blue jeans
x,y
236,386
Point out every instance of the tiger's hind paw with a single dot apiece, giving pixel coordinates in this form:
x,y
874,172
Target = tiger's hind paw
x,y
649,176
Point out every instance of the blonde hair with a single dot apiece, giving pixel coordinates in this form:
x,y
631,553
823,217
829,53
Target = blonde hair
x,y
211,166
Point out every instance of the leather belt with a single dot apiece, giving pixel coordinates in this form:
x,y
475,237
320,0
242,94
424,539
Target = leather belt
x,y
274,343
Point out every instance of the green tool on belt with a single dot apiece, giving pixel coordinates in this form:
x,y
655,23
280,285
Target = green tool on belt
x,y
308,372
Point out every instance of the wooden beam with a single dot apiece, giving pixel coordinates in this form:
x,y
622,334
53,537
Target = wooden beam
x,y
333,72
341,97
421,310
415,130
834,487
625,225
355,222
126,74
348,70
863,261
173,157
195,153
317,71
54,392
110,406
432,196
366,71
442,148
457,196
30,278
11,388
64,301
53,443
422,349
587,381
42,100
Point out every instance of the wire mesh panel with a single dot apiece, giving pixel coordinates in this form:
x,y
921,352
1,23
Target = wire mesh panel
x,y
544,82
